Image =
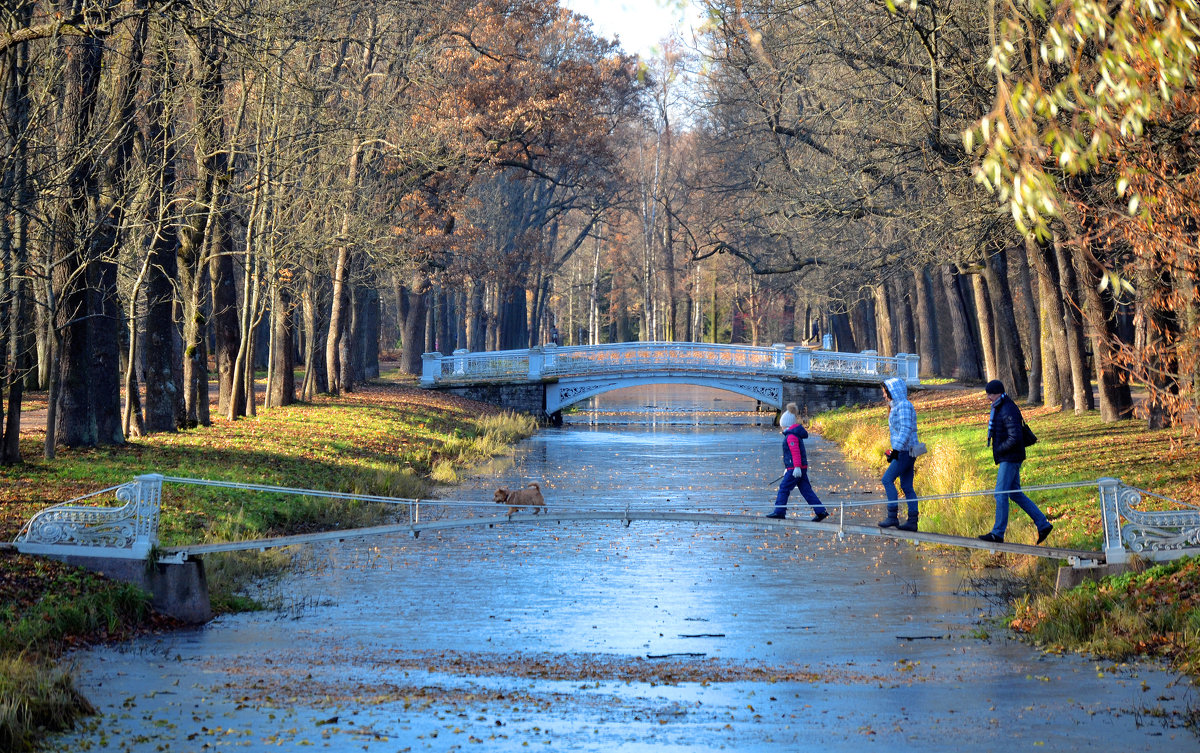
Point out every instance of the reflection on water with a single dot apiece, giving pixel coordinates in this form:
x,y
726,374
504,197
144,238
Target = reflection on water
x,y
597,636
670,405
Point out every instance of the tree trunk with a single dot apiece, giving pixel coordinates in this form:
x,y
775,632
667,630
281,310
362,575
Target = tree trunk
x,y
902,300
987,327
885,319
966,355
1053,318
1068,287
514,327
476,316
926,324
1010,361
315,380
414,327
843,336
15,192
88,400
369,340
444,319
281,386
165,409
1115,404
1027,312
224,318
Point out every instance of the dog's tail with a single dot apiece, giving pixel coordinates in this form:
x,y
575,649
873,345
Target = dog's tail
x,y
534,485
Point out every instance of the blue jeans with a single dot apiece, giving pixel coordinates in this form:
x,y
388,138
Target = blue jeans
x,y
1008,486
790,482
900,468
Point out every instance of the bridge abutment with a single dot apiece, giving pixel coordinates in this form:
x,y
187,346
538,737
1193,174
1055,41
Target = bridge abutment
x,y
1071,577
527,398
179,590
817,397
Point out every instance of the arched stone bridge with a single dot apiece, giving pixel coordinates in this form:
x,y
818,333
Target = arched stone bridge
x,y
546,379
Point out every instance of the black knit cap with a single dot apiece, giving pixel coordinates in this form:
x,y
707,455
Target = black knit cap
x,y
994,387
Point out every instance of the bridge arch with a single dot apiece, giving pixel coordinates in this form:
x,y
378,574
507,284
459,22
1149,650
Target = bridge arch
x,y
568,391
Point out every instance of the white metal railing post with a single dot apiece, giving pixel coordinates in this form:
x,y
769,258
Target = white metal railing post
x,y
536,361
1110,519
549,357
149,501
871,365
914,369
802,361
779,357
431,368
460,362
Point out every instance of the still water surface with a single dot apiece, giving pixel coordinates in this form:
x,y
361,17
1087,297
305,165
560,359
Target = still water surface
x,y
601,637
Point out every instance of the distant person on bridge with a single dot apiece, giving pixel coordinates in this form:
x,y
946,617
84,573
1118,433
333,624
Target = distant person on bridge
x,y
902,426
1007,438
795,460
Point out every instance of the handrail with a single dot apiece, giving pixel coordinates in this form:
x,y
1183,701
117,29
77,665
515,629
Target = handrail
x,y
131,530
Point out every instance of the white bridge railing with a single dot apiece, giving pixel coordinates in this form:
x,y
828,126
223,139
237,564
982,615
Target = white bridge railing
x,y
550,361
131,530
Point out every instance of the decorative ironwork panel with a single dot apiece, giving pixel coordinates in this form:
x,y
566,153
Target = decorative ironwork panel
x,y
1155,532
771,394
476,366
827,363
568,393
130,530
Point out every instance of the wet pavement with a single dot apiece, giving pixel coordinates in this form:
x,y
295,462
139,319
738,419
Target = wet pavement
x,y
601,637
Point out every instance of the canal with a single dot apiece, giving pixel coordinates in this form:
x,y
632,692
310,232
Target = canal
x,y
601,637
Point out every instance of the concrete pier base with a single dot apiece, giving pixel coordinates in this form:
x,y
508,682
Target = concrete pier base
x,y
178,590
1070,577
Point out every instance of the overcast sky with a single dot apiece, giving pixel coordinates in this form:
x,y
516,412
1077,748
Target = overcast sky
x,y
640,25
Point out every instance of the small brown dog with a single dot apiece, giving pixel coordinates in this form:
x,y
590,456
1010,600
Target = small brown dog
x,y
530,496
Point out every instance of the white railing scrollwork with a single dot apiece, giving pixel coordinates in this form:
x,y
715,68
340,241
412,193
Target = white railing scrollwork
x,y
129,531
550,361
1153,534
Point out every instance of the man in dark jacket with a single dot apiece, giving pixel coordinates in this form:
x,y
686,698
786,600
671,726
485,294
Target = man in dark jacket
x,y
1008,450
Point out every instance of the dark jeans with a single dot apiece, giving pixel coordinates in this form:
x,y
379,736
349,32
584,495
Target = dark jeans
x,y
790,482
1008,486
900,468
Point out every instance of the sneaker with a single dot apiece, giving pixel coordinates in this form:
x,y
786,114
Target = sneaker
x,y
889,523
777,515
993,538
1044,532
908,525
819,517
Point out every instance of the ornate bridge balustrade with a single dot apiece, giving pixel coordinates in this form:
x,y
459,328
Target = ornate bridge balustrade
x,y
544,380
549,361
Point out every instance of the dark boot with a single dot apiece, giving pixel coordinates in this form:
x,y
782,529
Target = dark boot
x,y
909,525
